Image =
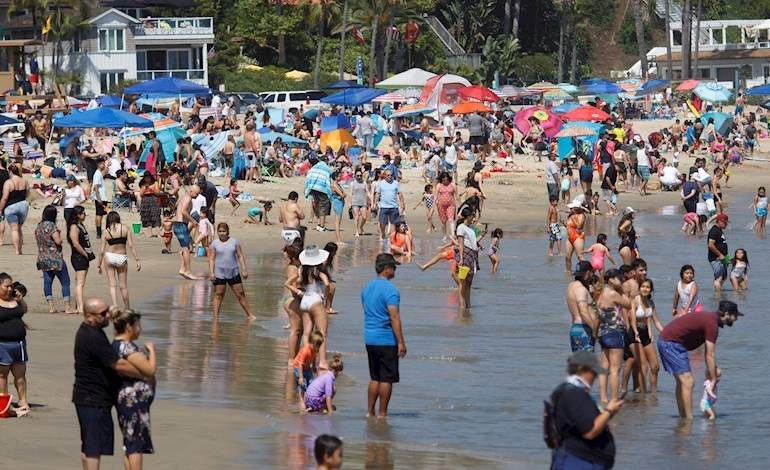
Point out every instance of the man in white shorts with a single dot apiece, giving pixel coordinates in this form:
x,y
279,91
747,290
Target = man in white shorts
x,y
291,216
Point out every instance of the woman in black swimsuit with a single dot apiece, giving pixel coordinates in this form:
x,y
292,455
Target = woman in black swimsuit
x,y
81,258
627,235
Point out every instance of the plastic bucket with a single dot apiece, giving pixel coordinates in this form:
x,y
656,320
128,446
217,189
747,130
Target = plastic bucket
x,y
201,251
462,272
5,405
137,227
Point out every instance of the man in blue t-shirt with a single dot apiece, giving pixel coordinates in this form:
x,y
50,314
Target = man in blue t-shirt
x,y
389,200
383,337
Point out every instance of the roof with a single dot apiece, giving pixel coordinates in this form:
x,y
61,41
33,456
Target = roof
x,y
732,55
117,12
20,42
414,77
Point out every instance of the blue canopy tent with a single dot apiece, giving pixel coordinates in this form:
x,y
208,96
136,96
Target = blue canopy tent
x,y
167,139
167,86
760,90
7,123
103,118
600,88
353,96
566,145
565,107
109,101
723,123
343,84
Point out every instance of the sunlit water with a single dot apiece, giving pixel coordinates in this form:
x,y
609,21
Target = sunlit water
x,y
472,384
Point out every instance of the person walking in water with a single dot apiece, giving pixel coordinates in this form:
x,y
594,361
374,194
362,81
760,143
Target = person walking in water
x,y
612,330
584,324
383,334
717,251
688,333
182,232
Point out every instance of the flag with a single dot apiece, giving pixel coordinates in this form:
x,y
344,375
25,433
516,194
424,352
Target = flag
x,y
411,32
358,36
393,33
47,26
212,52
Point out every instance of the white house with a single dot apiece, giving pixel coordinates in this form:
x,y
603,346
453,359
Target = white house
x,y
119,47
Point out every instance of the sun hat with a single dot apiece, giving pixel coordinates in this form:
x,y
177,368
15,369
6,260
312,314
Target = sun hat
x,y
576,205
313,256
588,360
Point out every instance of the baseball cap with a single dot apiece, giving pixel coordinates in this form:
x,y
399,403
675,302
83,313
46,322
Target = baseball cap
x,y
384,260
729,307
723,218
588,360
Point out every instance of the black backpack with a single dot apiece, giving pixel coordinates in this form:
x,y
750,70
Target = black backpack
x,y
551,434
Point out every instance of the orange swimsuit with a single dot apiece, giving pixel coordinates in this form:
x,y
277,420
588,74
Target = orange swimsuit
x,y
573,233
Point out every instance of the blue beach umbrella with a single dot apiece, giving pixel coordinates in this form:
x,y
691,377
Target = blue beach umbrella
x,y
652,86
759,90
102,118
712,91
601,87
568,87
723,122
565,107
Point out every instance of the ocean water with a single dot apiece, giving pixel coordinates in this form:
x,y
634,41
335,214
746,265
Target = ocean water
x,y
472,383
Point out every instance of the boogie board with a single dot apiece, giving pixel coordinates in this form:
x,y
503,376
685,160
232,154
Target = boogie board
x,y
694,111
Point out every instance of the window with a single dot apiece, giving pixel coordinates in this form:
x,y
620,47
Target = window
x,y
197,58
726,74
677,74
178,59
704,73
141,60
111,40
315,95
108,80
270,98
298,96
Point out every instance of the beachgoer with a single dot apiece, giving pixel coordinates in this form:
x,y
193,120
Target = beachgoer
x,y
628,249
134,395
717,251
586,173
290,217
315,284
293,296
232,197
304,364
599,252
585,440
227,266
114,257
686,299
390,202
338,205
609,190
320,393
82,254
182,232
468,255
760,209
643,309
13,341
328,267
50,259
739,274
14,206
360,194
584,322
642,164
709,398
96,382
612,329
149,205
575,236
688,333
328,452
73,196
552,227
427,199
383,334
99,193
399,241
494,247
552,178
446,202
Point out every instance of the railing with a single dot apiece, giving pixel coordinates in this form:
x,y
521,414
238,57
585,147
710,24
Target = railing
x,y
185,74
727,47
472,60
174,26
443,34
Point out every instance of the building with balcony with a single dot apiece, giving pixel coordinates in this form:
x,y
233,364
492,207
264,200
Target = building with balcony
x,y
118,47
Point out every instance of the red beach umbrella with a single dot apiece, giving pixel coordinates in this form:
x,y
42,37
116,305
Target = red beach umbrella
x,y
586,113
478,92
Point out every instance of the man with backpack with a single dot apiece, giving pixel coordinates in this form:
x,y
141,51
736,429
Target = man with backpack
x,y
573,426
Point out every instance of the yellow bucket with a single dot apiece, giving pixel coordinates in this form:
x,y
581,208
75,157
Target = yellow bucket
x,y
462,272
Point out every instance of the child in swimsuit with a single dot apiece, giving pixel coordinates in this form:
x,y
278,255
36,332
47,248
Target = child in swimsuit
x,y
497,235
305,363
686,298
739,275
233,197
599,252
553,230
709,398
168,235
427,199
690,223
320,393
760,208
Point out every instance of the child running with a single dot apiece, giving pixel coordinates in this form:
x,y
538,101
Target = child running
x,y
304,365
427,199
320,393
709,398
497,235
739,276
599,252
760,209
233,196
686,298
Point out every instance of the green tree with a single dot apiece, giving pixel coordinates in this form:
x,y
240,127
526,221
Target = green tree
x,y
36,9
500,55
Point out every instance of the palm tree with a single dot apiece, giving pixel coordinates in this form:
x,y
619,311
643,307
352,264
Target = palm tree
x,y
669,62
699,13
345,17
642,47
686,39
515,20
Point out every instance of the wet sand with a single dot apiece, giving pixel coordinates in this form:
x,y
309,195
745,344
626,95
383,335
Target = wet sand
x,y
191,433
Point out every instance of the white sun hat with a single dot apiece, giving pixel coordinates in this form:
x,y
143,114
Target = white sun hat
x,y
313,256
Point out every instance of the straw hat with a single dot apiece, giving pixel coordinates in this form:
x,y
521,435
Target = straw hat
x,y
576,204
313,256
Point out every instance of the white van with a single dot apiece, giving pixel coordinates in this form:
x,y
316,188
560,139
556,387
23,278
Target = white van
x,y
292,100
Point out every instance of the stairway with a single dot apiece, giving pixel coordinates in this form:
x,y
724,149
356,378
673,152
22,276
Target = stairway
x,y
449,42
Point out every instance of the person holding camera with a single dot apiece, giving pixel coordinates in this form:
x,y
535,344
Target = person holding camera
x,y
13,340
82,255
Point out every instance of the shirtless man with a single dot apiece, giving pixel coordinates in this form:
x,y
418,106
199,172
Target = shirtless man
x,y
291,216
584,322
676,134
181,219
40,128
252,149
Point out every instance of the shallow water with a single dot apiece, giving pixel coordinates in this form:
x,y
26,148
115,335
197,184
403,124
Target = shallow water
x,y
472,384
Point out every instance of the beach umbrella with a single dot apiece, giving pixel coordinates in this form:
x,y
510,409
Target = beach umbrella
x,y
478,92
343,84
568,87
159,122
586,113
102,118
167,86
469,107
759,90
723,122
712,91
565,107
566,145
412,110
332,123
543,86
556,94
630,85
335,139
509,91
549,121
575,131
311,113
688,85
353,96
653,86
272,136
602,87
394,97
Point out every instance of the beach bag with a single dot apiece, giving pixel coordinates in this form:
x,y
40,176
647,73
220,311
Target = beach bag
x,y
551,434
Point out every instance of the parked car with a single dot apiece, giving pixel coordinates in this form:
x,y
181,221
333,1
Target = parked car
x,y
292,100
244,100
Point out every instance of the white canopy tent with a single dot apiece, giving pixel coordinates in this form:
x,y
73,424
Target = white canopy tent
x,y
414,77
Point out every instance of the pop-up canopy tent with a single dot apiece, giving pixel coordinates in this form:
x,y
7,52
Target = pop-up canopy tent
x,y
414,77
109,101
353,96
102,117
167,86
723,122
566,145
440,93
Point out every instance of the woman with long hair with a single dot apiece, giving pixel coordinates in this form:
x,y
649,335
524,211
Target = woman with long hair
x,y
293,297
315,286
114,257
82,255
338,205
13,341
227,267
468,255
446,201
627,234
14,205
575,235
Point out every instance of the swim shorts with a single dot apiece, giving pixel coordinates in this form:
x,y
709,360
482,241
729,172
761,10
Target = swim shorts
x,y
289,235
612,339
581,337
322,204
673,357
182,234
229,281
388,215
555,234
13,352
720,270
383,363
97,434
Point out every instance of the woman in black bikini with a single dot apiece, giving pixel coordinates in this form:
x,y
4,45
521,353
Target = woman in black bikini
x,y
114,257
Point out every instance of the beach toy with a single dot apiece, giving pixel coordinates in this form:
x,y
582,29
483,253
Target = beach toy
x,y
5,404
137,227
727,260
463,272
201,251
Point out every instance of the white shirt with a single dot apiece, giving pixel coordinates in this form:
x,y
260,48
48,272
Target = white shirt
x,y
197,203
98,184
365,125
450,154
641,158
216,101
449,125
670,176
469,236
552,171
73,196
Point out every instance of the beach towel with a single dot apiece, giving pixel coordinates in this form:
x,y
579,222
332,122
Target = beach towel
x,y
319,179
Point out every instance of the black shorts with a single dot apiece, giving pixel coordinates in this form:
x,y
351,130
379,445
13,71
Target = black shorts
x,y
101,207
383,363
96,430
476,140
79,263
230,282
628,340
91,165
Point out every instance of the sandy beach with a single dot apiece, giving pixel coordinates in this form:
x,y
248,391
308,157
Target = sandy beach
x,y
199,437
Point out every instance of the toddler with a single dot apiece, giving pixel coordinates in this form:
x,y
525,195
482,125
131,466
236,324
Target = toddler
x,y
427,199
320,393
305,363
497,235
205,229
168,235
233,197
709,398
739,275
599,252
